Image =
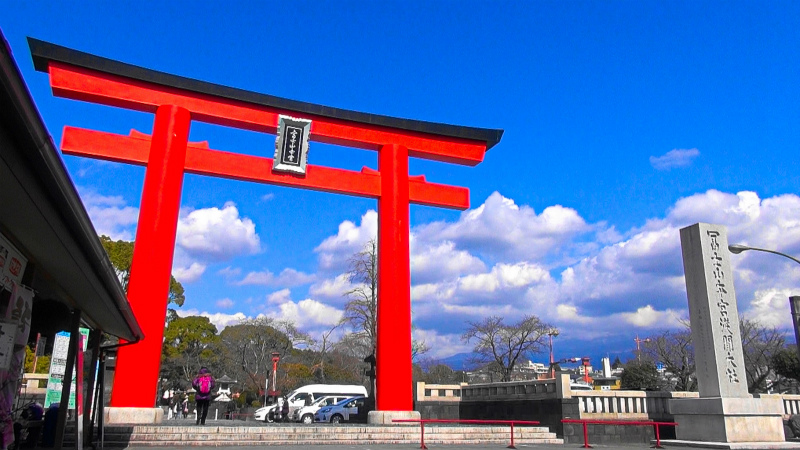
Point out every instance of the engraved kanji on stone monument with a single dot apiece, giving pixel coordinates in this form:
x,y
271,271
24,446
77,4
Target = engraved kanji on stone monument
x,y
712,311
291,145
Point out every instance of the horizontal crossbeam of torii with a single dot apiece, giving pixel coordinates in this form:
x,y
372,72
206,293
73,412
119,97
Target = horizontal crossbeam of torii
x,y
167,154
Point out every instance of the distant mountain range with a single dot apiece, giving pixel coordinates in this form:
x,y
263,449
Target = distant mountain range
x,y
595,349
458,361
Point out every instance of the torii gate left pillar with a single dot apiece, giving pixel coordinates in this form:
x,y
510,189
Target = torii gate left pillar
x,y
167,154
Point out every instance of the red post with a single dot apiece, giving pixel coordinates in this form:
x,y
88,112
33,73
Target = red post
x,y
422,435
585,436
658,436
136,375
512,436
393,365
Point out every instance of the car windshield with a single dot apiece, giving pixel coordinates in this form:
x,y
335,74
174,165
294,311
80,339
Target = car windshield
x,y
345,401
322,401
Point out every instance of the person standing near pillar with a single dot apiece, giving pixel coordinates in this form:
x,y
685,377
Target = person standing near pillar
x,y
203,384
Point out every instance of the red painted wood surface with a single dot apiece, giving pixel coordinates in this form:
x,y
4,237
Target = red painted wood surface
x,y
393,356
201,160
136,374
87,85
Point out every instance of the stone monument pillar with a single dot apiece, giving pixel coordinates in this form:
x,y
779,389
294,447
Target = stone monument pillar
x,y
725,411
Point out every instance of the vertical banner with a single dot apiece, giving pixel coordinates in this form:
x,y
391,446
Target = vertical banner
x,y
18,314
58,365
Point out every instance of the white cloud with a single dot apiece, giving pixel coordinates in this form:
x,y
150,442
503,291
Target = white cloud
x,y
501,230
678,157
230,272
647,316
308,313
335,251
110,215
334,289
771,307
220,320
189,274
463,270
288,277
637,280
440,345
505,276
441,261
278,297
217,234
225,303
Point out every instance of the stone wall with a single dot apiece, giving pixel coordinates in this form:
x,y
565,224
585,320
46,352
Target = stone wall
x,y
613,434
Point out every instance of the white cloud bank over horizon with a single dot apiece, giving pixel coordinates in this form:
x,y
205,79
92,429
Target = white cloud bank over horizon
x,y
504,259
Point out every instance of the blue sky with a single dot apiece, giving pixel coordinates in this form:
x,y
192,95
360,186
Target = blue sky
x,y
624,122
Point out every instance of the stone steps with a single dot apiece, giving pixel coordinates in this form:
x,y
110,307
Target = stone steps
x,y
215,435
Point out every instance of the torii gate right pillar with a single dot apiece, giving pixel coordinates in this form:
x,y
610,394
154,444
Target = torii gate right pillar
x,y
393,359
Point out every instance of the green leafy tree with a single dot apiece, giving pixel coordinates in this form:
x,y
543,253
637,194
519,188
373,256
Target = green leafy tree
x,y
121,255
786,363
42,362
501,345
189,344
640,375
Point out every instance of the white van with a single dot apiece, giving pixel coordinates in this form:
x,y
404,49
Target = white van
x,y
308,394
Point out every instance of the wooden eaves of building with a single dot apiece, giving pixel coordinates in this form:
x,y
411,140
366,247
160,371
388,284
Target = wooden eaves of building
x,y
42,216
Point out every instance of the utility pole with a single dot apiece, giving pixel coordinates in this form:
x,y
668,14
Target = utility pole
x,y
638,349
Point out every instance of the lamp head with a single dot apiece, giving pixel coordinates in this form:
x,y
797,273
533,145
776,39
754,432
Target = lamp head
x,y
738,248
553,332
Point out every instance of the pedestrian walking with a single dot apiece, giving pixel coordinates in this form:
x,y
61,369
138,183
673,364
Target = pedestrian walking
x,y
285,410
185,405
203,384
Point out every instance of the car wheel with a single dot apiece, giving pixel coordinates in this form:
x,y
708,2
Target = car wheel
x,y
270,417
308,418
336,418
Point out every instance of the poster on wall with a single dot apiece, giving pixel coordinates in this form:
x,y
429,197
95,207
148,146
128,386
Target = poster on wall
x,y
16,319
12,264
58,366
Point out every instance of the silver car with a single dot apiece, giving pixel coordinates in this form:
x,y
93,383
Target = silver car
x,y
306,413
354,409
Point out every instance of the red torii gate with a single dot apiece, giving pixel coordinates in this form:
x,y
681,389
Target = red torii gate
x,y
167,154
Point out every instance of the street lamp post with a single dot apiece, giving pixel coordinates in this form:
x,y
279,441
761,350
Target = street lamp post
x,y
738,248
551,333
794,302
638,349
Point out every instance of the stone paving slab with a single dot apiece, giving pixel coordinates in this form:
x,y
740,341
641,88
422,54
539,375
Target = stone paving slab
x,y
434,446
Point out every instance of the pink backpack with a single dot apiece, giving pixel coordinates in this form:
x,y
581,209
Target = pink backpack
x,y
205,385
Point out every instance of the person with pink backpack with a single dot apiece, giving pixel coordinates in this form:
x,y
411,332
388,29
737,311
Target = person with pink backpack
x,y
203,384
